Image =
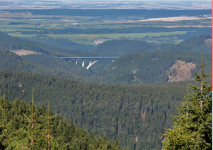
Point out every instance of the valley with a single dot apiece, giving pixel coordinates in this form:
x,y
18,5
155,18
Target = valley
x,y
143,62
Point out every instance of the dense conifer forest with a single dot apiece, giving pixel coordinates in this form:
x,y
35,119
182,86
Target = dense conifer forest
x,y
132,115
121,47
11,61
24,126
148,67
192,127
135,115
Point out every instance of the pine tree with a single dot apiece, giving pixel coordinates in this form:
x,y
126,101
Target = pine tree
x,y
193,127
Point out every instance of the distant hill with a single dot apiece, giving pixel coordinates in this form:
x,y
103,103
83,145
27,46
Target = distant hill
x,y
201,43
11,61
9,42
158,66
135,115
130,68
120,47
63,43
50,55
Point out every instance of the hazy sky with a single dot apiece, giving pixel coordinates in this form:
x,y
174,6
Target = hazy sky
x,y
141,0
118,0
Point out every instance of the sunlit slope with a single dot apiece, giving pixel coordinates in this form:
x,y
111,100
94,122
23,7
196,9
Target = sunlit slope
x,y
136,115
158,66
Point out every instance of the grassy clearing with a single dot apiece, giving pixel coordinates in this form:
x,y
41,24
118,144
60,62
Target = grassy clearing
x,y
120,35
89,38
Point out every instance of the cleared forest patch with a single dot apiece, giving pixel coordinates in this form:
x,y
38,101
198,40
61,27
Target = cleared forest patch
x,y
24,52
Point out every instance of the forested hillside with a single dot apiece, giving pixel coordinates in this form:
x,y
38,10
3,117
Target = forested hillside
x,y
120,47
136,115
25,126
63,43
134,68
12,61
158,66
9,42
51,54
201,43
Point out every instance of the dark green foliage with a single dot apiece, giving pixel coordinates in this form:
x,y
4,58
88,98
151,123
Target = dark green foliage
x,y
9,42
59,64
193,127
18,23
121,112
144,67
64,43
194,44
117,12
65,69
50,58
26,127
121,47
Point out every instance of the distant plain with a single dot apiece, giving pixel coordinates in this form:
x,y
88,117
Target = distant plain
x,y
27,24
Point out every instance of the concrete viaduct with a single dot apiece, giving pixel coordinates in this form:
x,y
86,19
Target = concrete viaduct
x,y
90,62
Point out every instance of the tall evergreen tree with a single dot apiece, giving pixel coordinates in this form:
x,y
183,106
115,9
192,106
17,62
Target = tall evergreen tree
x,y
193,127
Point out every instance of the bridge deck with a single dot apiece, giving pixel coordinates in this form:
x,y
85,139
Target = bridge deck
x,y
89,57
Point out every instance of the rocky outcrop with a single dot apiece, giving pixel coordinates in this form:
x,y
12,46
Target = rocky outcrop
x,y
180,71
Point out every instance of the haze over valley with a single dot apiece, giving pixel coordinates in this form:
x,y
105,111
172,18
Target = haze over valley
x,y
114,71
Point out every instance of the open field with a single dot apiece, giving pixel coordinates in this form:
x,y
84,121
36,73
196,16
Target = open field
x,y
116,36
172,19
89,38
85,29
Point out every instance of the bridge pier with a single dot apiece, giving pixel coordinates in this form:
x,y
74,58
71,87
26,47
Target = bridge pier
x,y
90,62
82,62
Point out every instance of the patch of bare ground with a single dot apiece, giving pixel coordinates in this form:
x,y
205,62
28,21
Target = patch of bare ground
x,y
24,52
134,71
143,115
113,68
180,71
136,138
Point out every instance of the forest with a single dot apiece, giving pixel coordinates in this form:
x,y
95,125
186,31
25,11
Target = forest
x,y
116,12
121,112
146,98
24,126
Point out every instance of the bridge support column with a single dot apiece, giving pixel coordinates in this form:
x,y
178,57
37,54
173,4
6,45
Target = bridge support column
x,y
76,61
89,62
82,62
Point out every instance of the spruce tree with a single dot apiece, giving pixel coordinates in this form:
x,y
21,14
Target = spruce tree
x,y
193,126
